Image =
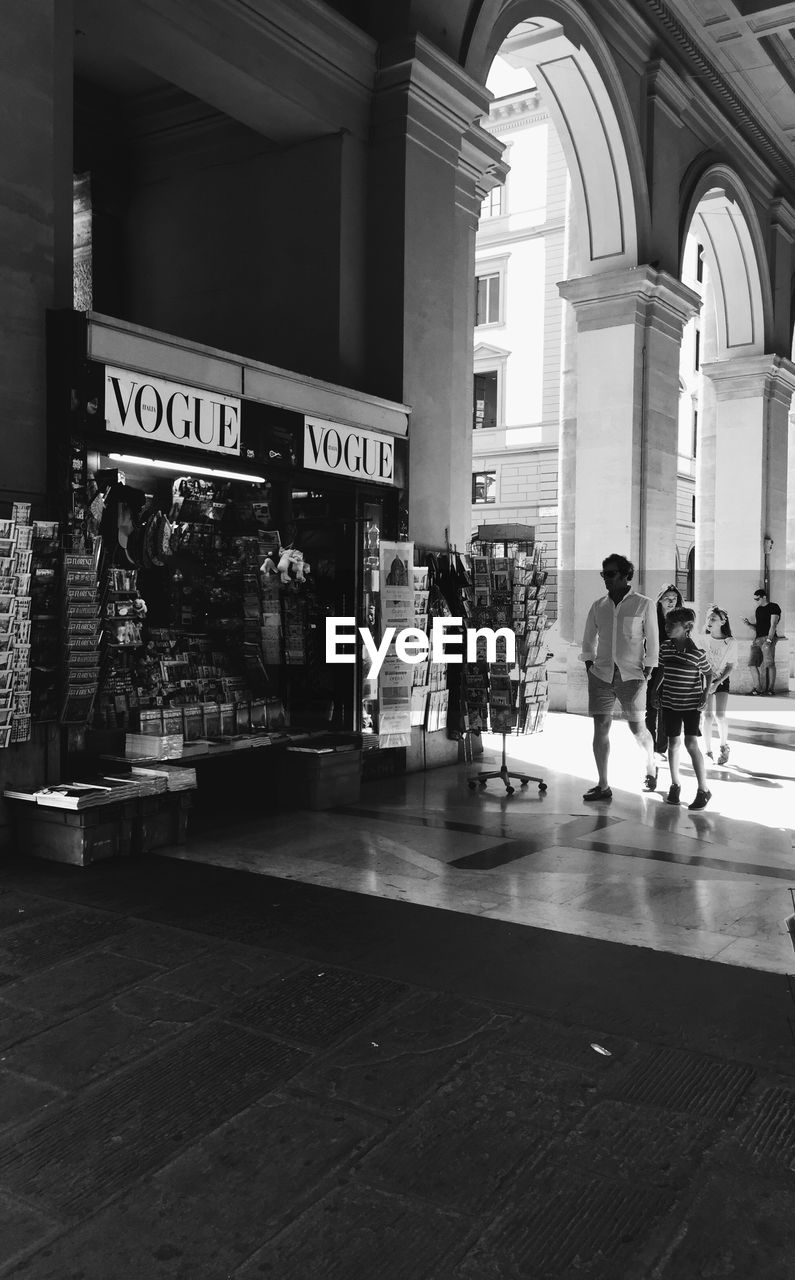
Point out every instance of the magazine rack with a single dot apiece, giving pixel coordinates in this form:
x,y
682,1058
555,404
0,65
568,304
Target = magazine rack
x,y
515,544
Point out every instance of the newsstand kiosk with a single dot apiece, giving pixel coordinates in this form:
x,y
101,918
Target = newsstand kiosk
x,y
212,512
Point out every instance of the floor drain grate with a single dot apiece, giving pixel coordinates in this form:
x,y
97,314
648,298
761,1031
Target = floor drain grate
x,y
689,1082
579,1227
769,1132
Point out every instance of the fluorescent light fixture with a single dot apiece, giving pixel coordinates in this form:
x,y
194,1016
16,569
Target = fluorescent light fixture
x,y
186,469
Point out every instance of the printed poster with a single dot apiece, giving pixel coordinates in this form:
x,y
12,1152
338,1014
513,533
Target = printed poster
x,y
396,678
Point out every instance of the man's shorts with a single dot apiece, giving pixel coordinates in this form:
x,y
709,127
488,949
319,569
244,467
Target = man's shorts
x,y
602,696
675,718
763,653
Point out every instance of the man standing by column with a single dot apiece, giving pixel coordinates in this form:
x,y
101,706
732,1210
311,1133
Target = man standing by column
x,y
763,646
620,648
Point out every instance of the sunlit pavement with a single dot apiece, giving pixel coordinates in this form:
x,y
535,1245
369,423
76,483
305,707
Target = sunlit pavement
x,y
710,884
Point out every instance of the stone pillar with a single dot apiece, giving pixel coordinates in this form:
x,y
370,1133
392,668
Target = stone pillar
x,y
629,333
426,166
753,395
567,448
36,80
704,578
788,603
35,225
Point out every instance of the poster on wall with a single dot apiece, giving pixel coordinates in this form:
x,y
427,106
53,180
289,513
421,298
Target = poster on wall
x,y
396,678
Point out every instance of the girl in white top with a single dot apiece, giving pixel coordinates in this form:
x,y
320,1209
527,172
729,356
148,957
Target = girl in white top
x,y
721,649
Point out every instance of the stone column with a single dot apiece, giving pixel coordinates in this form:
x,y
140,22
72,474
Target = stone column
x,y
704,578
753,396
629,333
35,226
36,85
567,448
427,163
788,603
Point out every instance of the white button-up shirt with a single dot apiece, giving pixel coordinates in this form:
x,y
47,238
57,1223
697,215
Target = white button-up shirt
x,y
622,635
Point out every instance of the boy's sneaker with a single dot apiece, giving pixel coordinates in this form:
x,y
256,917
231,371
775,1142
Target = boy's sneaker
x,y
674,792
723,755
702,800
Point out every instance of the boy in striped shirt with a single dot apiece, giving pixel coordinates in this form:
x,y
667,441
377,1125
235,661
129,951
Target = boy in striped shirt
x,y
681,683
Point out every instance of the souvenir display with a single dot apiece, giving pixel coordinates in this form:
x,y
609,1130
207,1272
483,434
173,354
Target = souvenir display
x,y
202,609
508,592
16,556
530,623
45,620
81,636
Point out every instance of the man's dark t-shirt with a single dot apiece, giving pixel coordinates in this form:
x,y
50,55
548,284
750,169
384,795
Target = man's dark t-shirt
x,y
764,613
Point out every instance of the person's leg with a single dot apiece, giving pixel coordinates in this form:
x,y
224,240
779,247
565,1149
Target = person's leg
x,y
721,703
771,668
756,663
646,743
674,746
601,746
699,768
709,712
652,714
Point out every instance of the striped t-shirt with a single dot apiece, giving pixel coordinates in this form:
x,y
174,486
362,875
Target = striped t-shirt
x,y
682,684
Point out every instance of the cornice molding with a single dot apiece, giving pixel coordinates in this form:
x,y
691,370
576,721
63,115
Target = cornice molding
x,y
745,377
480,168
782,218
640,295
490,238
708,75
328,41
422,94
244,54
528,121
668,91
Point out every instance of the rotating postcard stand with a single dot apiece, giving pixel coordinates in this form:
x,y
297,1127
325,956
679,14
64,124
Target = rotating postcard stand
x,y
509,586
482,778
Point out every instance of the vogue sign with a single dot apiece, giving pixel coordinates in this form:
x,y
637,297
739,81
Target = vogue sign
x,y
348,451
171,413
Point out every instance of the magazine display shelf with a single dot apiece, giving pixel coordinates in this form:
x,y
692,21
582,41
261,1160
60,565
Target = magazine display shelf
x,y
510,590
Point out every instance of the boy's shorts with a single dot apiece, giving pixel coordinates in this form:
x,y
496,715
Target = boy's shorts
x,y
675,718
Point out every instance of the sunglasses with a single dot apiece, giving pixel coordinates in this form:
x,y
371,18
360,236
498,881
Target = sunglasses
x,y
610,573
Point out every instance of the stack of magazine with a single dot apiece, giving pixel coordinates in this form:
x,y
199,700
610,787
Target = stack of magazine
x,y
80,795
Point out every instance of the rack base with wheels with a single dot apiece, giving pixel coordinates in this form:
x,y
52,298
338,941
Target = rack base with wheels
x,y
485,776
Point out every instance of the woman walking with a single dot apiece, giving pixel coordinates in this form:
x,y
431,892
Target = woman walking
x,y
721,649
669,598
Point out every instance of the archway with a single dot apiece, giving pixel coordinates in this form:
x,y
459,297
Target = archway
x,y
580,85
720,216
741,396
595,333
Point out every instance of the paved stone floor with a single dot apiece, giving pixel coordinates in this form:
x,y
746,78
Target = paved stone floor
x,y
437,1036
206,1073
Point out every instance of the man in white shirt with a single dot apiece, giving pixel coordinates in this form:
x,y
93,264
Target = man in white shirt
x,y
620,648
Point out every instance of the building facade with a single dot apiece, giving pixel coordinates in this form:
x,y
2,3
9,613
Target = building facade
x,y
519,332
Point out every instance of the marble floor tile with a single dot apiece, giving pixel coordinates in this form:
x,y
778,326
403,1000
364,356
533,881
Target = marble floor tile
x,y
711,884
